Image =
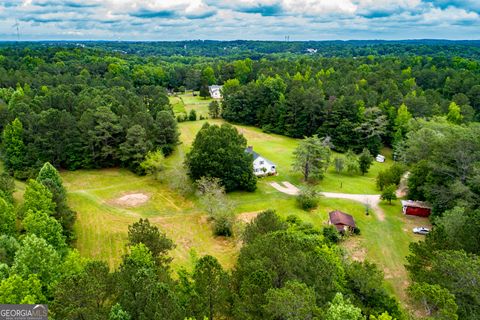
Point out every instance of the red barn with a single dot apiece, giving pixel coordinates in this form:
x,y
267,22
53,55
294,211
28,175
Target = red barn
x,y
416,208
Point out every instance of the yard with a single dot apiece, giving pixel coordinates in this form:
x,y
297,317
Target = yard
x,y
183,103
103,219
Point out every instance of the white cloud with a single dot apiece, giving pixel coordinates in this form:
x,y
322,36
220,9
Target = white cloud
x,y
241,19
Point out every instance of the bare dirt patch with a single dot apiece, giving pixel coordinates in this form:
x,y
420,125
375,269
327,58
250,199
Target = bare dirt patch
x,y
354,249
131,200
247,217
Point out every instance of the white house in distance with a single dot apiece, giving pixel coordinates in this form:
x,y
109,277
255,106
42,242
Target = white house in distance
x,y
380,158
215,91
261,166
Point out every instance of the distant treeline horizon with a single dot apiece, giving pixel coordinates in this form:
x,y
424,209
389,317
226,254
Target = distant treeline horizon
x,y
256,49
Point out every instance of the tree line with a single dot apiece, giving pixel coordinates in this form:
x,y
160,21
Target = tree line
x,y
442,158
82,122
358,103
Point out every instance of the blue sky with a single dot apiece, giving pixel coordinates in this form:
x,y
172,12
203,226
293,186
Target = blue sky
x,y
239,19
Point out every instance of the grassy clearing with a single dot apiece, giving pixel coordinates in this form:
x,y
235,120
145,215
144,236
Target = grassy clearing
x,y
177,104
185,102
102,223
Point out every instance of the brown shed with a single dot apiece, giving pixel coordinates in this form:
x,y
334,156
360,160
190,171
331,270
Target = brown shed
x,y
342,221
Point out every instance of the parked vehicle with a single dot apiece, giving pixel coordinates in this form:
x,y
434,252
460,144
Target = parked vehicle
x,y
421,230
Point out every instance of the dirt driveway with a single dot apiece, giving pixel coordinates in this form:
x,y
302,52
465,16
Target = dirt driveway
x,y
372,200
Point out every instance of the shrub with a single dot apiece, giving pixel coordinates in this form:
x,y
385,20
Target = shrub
x,y
223,224
392,175
266,221
308,198
182,117
192,116
356,231
293,220
331,234
339,164
389,193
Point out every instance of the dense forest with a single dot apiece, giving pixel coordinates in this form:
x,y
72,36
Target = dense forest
x,y
106,104
241,49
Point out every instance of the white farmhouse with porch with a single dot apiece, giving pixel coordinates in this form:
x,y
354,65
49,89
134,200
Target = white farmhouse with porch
x,y
215,91
261,166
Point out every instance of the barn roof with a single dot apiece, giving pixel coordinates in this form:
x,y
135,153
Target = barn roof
x,y
339,217
415,204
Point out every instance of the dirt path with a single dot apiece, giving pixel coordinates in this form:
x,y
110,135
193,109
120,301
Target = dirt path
x,y
372,200
287,188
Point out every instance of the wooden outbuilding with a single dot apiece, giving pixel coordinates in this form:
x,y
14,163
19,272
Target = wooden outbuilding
x,y
342,221
416,208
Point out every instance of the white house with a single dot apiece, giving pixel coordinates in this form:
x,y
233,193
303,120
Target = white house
x,y
380,158
215,91
261,166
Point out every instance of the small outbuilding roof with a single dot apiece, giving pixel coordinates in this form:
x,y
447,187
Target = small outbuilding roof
x,y
339,217
415,204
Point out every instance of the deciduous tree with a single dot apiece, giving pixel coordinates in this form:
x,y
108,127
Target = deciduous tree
x,y
7,218
365,161
44,226
18,290
153,164
437,302
37,257
37,197
14,148
219,152
295,301
341,309
389,193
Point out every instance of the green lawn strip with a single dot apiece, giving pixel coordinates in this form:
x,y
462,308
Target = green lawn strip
x,y
199,104
177,104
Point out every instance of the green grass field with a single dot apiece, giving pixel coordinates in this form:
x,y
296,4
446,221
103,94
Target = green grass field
x,y
185,102
177,104
102,221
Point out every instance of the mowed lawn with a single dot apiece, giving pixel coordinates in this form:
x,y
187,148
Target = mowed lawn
x,y
102,223
183,103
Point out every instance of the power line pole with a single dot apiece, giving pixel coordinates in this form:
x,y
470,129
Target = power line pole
x,y
18,31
